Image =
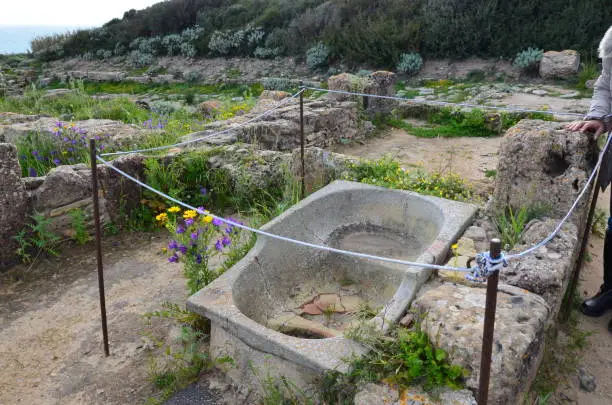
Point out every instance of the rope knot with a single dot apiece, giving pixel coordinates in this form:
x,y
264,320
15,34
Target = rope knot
x,y
485,266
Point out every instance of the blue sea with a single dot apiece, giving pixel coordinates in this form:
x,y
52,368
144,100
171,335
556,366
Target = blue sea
x,y
16,39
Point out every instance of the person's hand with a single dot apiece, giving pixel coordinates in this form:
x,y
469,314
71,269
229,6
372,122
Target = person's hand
x,y
595,126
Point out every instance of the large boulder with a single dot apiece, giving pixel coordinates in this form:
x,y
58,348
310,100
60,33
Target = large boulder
x,y
563,65
542,164
320,167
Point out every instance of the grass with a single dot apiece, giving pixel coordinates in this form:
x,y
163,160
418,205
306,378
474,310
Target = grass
x,y
510,224
387,172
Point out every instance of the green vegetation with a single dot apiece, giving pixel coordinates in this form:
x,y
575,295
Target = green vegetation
x,y
529,60
405,357
510,225
180,366
35,239
388,173
357,32
600,222
79,226
449,122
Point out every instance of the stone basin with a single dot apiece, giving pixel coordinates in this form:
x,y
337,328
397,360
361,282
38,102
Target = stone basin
x,y
314,295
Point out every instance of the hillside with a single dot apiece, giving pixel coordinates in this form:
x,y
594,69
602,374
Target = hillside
x,y
356,32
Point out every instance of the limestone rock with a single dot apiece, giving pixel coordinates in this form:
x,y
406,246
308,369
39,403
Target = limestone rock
x,y
321,167
587,380
518,340
542,164
562,64
62,186
376,394
274,95
209,108
13,204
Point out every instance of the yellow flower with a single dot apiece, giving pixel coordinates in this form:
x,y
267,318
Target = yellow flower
x,y
174,209
455,246
162,217
208,219
189,214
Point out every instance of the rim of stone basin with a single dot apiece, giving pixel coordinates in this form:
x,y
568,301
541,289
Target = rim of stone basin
x,y
216,301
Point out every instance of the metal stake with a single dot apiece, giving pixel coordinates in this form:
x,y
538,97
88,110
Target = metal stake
x,y
96,206
303,174
489,327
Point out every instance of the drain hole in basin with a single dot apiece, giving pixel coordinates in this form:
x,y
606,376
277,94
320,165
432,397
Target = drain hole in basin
x,y
377,240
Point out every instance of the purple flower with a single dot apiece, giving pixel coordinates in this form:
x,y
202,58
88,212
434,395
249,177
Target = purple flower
x,y
219,245
57,162
65,139
172,245
195,235
32,172
35,152
198,258
180,229
173,259
74,142
189,221
229,230
217,222
59,124
226,241
182,249
201,210
97,137
203,191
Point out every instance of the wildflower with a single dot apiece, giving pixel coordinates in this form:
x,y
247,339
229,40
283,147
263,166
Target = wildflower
x,y
198,258
173,245
195,235
35,152
217,222
455,246
162,217
173,259
203,191
180,229
219,245
208,219
57,162
226,241
32,172
189,214
174,209
182,249
189,221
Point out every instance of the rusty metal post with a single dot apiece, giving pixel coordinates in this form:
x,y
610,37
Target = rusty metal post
x,y
303,173
96,207
489,327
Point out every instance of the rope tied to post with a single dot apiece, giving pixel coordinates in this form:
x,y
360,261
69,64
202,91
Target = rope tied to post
x,y
485,266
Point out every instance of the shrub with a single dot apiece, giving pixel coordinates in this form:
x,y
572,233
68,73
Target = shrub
x,y
276,83
529,59
172,44
193,76
410,63
266,53
139,59
317,56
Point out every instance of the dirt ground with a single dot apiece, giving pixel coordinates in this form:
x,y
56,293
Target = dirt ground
x,y
467,157
51,348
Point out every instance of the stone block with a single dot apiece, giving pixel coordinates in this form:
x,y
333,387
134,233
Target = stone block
x,y
563,65
13,204
454,318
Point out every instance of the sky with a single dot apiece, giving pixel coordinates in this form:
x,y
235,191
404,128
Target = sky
x,y
23,20
66,13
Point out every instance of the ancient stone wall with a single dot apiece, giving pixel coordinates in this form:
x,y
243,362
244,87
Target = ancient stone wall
x,y
13,204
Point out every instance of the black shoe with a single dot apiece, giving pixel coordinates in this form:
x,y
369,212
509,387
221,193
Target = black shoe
x,y
597,305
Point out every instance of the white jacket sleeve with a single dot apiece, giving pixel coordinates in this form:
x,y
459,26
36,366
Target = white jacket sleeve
x,y
600,103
